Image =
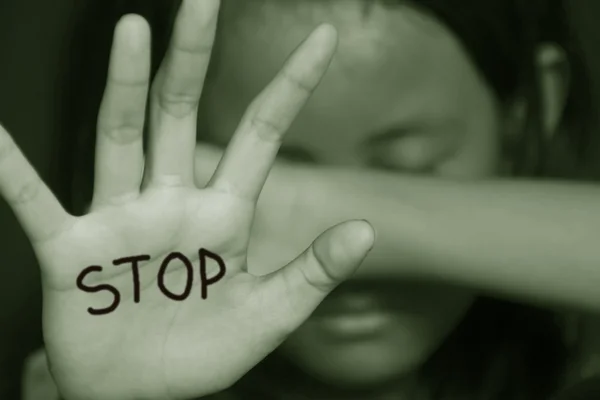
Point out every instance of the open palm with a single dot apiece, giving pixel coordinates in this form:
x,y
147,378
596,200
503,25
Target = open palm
x,y
148,295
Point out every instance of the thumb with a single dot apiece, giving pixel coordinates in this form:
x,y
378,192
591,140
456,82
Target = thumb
x,y
297,289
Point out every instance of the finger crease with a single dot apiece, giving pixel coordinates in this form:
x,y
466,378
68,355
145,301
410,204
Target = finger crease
x,y
325,284
267,130
178,105
298,82
123,134
202,49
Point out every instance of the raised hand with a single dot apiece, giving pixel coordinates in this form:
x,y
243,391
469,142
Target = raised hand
x,y
111,332
286,217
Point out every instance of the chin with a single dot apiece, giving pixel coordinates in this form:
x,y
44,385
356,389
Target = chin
x,y
356,339
360,375
358,365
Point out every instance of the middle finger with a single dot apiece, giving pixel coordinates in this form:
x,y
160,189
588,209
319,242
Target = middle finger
x,y
176,94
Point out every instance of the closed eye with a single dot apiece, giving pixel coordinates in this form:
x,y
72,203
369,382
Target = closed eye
x,y
413,150
414,154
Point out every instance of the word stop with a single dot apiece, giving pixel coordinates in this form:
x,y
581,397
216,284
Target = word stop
x,y
205,280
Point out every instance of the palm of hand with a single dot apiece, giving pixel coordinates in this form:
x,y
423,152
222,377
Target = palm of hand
x,y
158,329
153,347
280,226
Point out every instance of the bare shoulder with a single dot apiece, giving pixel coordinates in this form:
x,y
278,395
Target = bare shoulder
x,y
582,379
586,339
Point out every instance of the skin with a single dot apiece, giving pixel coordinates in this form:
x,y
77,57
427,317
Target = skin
x,y
250,313
401,94
162,213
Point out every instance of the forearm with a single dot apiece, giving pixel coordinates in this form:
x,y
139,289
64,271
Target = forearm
x,y
531,240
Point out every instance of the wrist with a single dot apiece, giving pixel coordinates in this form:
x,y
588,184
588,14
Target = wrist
x,y
404,229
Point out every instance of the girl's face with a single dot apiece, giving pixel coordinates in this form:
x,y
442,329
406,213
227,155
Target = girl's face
x,y
401,95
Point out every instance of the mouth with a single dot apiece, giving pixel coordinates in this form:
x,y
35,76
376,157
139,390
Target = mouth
x,y
358,297
353,303
357,311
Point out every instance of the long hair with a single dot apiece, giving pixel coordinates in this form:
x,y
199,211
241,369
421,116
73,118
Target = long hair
x,y
501,350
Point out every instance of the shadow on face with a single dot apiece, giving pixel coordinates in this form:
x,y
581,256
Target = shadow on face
x,y
402,95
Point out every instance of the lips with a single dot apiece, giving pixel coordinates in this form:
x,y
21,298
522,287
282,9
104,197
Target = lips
x,y
354,299
349,304
385,296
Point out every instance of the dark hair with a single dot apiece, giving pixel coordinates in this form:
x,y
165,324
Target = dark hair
x,y
501,37
501,350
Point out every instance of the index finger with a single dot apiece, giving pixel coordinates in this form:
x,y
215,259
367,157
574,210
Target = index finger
x,y
249,157
35,206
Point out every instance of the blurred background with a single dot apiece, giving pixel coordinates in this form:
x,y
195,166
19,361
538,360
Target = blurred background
x,y
34,35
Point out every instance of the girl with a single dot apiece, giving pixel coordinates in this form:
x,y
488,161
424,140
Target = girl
x,y
468,92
